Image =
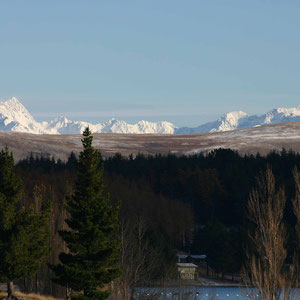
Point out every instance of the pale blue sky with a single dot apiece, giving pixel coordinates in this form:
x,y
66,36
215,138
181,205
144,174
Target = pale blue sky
x,y
186,62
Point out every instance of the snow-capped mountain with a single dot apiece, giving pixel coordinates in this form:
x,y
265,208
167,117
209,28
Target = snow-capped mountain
x,y
62,125
229,121
15,117
240,120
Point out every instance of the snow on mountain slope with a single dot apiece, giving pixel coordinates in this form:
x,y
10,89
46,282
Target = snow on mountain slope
x,y
62,125
240,120
229,121
117,126
15,117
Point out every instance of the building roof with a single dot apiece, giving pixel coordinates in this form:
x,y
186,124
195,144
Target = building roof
x,y
196,256
187,265
182,256
200,256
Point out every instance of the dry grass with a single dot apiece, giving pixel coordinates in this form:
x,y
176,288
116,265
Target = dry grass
x,y
252,140
29,296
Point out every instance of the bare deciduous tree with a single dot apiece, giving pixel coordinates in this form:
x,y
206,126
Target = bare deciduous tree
x,y
137,258
266,268
296,203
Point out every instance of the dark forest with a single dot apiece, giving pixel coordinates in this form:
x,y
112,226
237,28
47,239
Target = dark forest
x,y
196,204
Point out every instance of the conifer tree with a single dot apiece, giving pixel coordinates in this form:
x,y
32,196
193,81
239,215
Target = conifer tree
x,y
24,233
91,262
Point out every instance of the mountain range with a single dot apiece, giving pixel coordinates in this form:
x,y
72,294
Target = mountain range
x,y
15,117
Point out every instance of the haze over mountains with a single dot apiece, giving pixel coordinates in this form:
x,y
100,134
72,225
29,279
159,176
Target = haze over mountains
x,y
15,117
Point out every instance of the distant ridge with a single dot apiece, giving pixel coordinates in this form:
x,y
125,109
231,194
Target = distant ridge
x,y
240,120
15,117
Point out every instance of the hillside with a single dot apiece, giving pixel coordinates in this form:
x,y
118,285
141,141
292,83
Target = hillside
x,y
251,140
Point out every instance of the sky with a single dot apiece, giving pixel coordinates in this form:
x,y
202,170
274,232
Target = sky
x,y
186,62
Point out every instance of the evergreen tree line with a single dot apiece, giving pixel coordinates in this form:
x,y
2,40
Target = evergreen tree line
x,y
215,185
167,203
90,234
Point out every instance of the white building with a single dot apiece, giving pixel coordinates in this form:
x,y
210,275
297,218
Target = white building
x,y
186,270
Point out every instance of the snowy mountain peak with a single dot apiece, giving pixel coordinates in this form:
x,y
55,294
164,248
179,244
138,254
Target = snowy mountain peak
x,y
234,115
229,121
240,120
14,105
295,111
15,117
13,102
60,119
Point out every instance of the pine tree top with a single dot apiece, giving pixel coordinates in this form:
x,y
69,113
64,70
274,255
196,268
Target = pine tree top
x,y
87,138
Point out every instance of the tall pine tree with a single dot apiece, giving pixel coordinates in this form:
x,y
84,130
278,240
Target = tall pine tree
x,y
91,262
24,233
